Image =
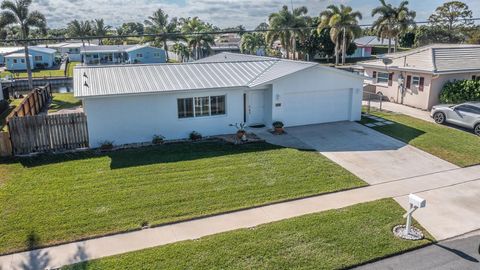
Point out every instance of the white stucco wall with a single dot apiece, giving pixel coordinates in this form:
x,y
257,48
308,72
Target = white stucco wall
x,y
132,119
439,81
317,95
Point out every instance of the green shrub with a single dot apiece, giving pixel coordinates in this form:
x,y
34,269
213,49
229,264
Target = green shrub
x,y
195,136
460,91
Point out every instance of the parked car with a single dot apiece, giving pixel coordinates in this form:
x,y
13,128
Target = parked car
x,y
466,115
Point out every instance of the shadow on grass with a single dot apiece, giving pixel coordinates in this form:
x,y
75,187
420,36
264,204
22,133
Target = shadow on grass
x,y
57,105
399,131
167,153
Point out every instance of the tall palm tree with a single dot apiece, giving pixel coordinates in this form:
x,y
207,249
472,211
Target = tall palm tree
x,y
182,50
197,37
252,42
79,29
18,13
158,24
99,29
392,21
343,23
283,27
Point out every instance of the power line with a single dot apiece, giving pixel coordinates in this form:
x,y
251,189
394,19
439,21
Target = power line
x,y
178,35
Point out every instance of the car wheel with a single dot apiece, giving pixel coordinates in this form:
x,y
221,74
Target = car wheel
x,y
439,117
476,130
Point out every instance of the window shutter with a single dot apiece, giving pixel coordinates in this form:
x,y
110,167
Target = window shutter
x,y
409,81
422,83
474,77
374,75
390,79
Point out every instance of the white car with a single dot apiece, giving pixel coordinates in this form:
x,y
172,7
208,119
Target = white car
x,y
466,115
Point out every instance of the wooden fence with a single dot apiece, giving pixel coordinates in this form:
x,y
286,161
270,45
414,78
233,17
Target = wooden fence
x,y
45,133
33,103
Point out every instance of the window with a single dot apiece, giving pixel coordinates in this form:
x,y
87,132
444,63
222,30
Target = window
x,y
38,58
468,109
22,60
156,55
415,81
15,61
139,55
382,77
201,106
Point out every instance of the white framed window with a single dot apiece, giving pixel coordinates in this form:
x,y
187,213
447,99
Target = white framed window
x,y
416,81
156,55
382,77
201,106
38,58
139,55
15,61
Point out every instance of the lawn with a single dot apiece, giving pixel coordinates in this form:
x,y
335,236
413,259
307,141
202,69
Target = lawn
x,y
66,197
328,240
453,145
42,73
63,101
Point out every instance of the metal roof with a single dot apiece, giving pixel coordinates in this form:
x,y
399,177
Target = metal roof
x,y
106,48
371,41
209,73
6,50
43,50
437,58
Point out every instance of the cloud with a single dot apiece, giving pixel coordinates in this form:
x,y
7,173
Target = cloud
x,y
222,13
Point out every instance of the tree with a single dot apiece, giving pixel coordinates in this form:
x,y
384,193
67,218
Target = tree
x,y
133,28
343,22
427,34
252,42
18,13
197,37
239,29
285,26
452,17
182,50
262,26
392,21
158,24
79,29
99,29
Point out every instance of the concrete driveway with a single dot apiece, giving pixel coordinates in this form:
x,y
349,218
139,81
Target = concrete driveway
x,y
372,156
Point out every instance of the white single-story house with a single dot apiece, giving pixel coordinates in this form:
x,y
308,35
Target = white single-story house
x,y
68,49
132,103
416,77
39,58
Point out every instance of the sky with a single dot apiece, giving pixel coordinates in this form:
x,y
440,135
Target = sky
x,y
222,13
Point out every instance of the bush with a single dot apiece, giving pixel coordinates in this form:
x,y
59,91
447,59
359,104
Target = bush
x,y
277,124
106,145
460,91
158,139
194,136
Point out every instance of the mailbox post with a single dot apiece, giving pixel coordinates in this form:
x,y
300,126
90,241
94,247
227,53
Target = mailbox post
x,y
406,231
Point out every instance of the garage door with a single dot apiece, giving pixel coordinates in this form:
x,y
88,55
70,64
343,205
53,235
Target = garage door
x,y
307,108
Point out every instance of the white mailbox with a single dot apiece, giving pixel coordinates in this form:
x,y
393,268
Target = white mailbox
x,y
416,201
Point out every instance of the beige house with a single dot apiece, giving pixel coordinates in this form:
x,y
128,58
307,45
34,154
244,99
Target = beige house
x,y
416,77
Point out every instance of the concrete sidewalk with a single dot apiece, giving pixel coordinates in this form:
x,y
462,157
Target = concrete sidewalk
x,y
403,109
111,245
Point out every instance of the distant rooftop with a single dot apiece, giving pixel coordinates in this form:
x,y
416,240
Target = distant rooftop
x,y
436,58
370,41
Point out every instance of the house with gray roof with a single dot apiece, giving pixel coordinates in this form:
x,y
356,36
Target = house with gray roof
x,y
416,77
121,54
131,103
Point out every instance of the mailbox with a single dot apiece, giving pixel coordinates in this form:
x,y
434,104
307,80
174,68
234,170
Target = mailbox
x,y
416,201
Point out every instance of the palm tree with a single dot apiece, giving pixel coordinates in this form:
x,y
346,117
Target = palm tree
x,y
283,26
17,13
182,50
392,21
158,24
197,38
79,29
251,42
343,22
99,29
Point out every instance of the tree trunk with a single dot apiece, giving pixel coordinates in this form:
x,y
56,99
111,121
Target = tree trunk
x,y
395,45
165,47
294,47
389,45
337,56
344,46
29,69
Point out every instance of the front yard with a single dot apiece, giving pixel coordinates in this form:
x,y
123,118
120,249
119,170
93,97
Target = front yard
x,y
42,73
54,199
455,146
333,239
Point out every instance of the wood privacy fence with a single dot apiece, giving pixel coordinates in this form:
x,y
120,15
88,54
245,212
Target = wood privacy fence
x,y
44,133
34,103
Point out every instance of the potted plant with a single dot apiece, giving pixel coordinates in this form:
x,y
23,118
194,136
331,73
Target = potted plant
x,y
278,127
241,133
158,139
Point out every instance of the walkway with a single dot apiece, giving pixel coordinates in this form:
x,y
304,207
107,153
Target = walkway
x,y
106,246
399,108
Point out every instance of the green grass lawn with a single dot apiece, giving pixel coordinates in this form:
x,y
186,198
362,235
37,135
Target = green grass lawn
x,y
42,73
455,146
63,101
66,197
328,240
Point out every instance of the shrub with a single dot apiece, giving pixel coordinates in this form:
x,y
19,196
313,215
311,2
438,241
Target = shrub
x,y
194,136
277,124
460,91
106,145
158,139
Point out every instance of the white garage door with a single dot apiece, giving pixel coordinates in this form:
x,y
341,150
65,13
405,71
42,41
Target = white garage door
x,y
317,107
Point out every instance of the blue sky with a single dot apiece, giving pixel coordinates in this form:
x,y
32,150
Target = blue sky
x,y
222,13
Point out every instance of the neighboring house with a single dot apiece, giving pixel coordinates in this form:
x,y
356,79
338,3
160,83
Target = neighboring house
x,y
119,54
39,58
227,43
131,103
68,49
7,50
416,77
365,46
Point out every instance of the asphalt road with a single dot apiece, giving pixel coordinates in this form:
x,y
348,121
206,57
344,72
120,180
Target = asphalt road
x,y
458,254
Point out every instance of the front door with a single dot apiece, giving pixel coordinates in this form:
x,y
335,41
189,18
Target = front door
x,y
256,108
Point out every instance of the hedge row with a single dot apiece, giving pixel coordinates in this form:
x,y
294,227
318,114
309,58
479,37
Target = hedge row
x,y
460,91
